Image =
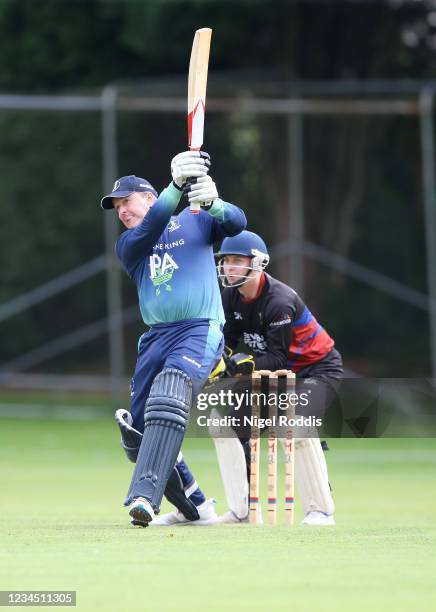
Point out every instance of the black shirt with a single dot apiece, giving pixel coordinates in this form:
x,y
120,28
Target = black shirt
x,y
276,326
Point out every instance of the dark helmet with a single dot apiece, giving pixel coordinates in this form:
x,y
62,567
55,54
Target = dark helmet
x,y
247,244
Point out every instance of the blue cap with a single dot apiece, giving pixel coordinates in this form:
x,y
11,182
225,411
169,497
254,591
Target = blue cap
x,y
125,186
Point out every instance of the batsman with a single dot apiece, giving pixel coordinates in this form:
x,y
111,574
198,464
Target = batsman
x,y
170,259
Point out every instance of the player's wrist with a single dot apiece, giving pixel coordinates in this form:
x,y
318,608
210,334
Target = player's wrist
x,y
174,193
217,208
178,187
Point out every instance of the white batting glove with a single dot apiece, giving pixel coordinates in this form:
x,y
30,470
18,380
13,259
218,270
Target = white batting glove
x,y
189,164
202,192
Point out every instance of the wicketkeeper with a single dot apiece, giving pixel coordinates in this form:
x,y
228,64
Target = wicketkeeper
x,y
170,260
280,332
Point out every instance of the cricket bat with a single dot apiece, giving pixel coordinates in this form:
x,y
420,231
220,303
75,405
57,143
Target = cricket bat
x,y
197,83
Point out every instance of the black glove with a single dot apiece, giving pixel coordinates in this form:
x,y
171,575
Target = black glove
x,y
239,364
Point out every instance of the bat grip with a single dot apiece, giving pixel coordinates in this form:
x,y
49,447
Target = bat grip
x,y
195,208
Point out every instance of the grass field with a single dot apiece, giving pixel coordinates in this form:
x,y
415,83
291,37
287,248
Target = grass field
x,y
63,527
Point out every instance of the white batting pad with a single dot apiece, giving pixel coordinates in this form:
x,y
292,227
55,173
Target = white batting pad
x,y
231,460
311,476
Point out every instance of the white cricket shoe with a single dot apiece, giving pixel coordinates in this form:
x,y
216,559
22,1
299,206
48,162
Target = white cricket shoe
x,y
141,512
318,519
206,510
231,518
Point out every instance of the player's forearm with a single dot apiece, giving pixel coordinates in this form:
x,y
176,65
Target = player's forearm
x,y
271,361
231,218
278,340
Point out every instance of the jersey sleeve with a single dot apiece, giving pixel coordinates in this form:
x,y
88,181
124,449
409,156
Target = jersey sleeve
x,y
278,338
135,244
227,220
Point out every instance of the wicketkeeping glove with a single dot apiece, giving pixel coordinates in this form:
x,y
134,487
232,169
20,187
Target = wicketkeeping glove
x,y
189,164
203,191
218,371
240,364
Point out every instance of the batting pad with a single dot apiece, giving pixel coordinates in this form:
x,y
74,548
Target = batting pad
x,y
165,421
176,495
311,476
233,467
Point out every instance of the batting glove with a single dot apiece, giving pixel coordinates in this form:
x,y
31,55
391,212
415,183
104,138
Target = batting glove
x,y
203,191
189,164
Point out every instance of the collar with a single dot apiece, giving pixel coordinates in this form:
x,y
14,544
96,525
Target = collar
x,y
246,300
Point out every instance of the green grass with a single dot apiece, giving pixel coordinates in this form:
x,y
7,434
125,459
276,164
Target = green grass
x,y
62,526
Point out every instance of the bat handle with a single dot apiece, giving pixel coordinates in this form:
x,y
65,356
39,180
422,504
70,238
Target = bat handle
x,y
195,207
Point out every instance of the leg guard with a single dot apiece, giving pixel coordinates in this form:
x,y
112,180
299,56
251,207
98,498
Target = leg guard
x,y
311,476
130,438
189,484
247,454
233,468
174,491
175,494
165,422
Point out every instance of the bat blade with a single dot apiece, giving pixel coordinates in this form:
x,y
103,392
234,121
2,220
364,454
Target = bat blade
x,y
197,83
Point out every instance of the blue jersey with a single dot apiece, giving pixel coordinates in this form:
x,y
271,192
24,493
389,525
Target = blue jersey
x,y
170,259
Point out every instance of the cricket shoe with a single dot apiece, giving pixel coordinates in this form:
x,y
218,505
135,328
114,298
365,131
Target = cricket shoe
x,y
141,512
206,510
318,519
231,518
